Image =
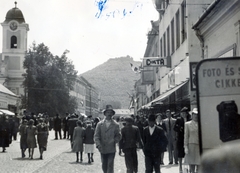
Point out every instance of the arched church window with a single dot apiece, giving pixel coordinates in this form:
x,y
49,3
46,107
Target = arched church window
x,y
14,42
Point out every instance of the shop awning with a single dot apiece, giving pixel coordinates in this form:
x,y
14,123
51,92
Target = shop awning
x,y
4,90
7,112
163,96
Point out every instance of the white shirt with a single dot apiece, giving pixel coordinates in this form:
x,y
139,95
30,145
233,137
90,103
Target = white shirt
x,y
151,129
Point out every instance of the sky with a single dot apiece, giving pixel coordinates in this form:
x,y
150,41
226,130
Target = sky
x,y
92,30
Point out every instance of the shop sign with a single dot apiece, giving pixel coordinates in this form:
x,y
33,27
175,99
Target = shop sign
x,y
218,94
147,76
157,61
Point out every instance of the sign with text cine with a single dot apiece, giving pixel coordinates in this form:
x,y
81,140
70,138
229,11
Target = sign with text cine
x,y
155,61
218,94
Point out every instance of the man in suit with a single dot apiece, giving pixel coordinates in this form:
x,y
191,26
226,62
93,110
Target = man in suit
x,y
65,126
155,142
106,135
57,125
169,123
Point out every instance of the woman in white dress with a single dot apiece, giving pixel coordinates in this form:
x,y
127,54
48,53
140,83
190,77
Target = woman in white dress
x,y
191,142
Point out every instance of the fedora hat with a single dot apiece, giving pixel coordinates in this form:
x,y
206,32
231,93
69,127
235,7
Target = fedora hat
x,y
108,108
195,111
184,109
151,117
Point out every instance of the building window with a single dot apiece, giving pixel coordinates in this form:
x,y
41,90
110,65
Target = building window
x,y
183,21
173,36
167,3
164,45
14,42
161,48
177,29
157,48
168,41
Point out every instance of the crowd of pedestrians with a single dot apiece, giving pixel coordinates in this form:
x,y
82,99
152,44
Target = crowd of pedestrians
x,y
153,133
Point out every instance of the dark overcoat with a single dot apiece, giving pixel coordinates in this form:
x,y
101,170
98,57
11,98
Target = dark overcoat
x,y
131,137
57,124
179,128
89,135
5,133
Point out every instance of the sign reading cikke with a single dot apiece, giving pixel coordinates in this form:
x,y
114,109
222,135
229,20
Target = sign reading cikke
x,y
156,61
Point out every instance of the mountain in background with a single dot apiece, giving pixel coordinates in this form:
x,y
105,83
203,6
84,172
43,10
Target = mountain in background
x,y
114,81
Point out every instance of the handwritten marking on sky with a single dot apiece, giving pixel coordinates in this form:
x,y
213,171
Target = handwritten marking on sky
x,y
107,10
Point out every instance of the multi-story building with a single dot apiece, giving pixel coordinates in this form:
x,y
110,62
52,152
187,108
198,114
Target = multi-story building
x,y
218,29
173,86
79,92
87,97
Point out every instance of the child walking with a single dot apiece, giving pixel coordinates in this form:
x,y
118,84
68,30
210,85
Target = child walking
x,y
88,140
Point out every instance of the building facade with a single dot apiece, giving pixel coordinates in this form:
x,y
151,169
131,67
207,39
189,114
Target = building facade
x,y
218,29
14,49
172,85
87,97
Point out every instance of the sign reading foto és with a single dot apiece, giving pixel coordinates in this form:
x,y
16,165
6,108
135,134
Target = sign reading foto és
x,y
219,77
157,61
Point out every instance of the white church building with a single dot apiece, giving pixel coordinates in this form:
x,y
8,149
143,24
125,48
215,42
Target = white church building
x,y
14,48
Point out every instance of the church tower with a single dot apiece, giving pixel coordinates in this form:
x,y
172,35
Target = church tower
x,y
14,48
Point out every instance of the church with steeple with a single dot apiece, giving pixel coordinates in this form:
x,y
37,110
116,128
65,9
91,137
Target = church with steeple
x,y
14,48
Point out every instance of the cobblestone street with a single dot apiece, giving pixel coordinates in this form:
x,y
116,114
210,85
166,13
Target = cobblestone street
x,y
59,158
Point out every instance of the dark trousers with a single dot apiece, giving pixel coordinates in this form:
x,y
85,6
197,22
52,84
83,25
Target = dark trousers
x,y
65,134
108,162
56,134
131,160
152,163
172,151
15,136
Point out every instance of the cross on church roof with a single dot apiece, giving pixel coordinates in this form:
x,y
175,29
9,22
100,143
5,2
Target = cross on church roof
x,y
15,4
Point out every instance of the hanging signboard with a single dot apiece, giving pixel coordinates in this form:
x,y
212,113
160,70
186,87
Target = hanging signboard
x,y
218,94
156,61
147,76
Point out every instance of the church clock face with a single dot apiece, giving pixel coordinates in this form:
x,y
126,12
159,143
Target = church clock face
x,y
13,26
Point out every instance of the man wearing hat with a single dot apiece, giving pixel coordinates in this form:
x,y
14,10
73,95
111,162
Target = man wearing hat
x,y
72,123
169,123
130,138
107,134
155,142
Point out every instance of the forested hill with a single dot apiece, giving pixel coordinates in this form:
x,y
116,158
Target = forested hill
x,y
114,79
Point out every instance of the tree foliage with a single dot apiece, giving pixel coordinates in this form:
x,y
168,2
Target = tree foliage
x,y
48,81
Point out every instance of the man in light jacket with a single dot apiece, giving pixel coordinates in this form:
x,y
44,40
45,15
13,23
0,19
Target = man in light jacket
x,y
107,135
